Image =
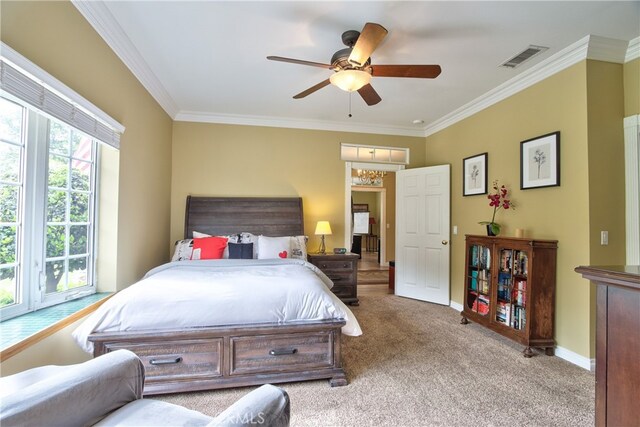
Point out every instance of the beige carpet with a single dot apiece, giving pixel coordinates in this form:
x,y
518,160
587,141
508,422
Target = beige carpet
x,y
416,365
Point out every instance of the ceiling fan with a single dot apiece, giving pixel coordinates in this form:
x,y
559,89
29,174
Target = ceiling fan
x,y
353,69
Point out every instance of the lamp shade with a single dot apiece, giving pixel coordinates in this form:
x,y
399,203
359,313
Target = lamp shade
x,y
350,80
323,228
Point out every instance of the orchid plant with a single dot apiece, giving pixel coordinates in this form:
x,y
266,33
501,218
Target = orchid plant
x,y
498,200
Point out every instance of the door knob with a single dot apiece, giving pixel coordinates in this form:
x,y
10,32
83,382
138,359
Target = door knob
x,y
444,242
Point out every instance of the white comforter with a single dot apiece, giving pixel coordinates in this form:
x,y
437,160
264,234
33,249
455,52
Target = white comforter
x,y
220,292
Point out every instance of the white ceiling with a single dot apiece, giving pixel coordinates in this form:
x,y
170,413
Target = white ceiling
x,y
206,60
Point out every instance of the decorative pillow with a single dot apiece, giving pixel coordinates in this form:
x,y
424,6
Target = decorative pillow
x,y
299,247
249,238
274,247
182,250
241,250
209,247
232,238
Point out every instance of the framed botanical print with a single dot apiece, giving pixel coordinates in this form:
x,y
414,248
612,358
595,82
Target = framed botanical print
x,y
474,175
540,161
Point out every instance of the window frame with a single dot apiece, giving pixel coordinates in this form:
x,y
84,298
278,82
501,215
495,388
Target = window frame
x,y
31,292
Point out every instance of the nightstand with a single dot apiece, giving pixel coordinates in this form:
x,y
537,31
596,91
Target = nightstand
x,y
342,269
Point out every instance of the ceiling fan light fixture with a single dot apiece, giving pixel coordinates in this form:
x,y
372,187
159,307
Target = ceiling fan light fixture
x,y
350,80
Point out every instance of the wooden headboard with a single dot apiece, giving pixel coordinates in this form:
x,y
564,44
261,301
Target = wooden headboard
x,y
230,215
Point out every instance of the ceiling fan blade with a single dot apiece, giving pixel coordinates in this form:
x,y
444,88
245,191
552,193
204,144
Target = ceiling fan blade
x,y
370,96
417,71
312,89
370,37
299,61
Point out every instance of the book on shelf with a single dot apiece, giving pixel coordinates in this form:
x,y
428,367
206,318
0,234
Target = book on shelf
x,y
505,260
480,302
519,318
504,293
474,280
520,263
485,258
520,292
483,304
504,278
503,313
474,256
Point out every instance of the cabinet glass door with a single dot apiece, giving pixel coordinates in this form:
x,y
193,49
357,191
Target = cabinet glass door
x,y
511,301
478,280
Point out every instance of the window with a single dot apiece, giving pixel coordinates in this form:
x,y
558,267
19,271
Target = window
x,y
375,154
49,139
47,210
11,168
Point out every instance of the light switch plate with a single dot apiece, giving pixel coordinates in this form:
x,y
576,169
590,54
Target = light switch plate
x,y
604,238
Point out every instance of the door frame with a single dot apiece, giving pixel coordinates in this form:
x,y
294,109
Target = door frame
x,y
347,202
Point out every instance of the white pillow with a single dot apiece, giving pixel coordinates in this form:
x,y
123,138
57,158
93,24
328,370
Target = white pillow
x,y
274,247
299,247
183,250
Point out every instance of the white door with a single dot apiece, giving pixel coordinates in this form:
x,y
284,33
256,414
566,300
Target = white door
x,y
422,233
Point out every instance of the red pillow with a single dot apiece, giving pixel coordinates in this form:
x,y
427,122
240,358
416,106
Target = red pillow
x,y
209,247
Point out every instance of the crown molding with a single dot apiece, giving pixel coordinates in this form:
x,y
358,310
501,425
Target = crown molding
x,y
633,51
589,47
230,119
606,49
102,20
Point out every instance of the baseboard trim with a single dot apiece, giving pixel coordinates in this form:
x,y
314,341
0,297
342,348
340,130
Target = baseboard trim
x,y
561,352
455,305
576,359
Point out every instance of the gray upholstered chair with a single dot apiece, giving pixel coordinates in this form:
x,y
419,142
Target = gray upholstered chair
x,y
107,391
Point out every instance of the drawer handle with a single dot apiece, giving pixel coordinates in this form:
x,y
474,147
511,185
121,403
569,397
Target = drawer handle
x,y
283,351
345,266
166,361
323,265
336,279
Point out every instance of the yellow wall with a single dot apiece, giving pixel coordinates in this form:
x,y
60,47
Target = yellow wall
x,y
605,100
559,103
632,88
56,37
230,160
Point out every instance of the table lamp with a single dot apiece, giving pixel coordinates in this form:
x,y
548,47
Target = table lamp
x,y
322,229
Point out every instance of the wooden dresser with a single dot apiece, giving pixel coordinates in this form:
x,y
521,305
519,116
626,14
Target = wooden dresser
x,y
342,269
617,343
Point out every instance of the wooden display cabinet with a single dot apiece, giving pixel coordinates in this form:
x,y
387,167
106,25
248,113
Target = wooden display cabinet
x,y
510,288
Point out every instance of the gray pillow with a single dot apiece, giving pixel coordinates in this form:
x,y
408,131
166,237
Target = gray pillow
x,y
240,250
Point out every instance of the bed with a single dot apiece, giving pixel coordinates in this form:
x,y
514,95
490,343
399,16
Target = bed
x,y
237,354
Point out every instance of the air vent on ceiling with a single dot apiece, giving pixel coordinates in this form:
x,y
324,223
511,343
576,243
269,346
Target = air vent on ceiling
x,y
523,56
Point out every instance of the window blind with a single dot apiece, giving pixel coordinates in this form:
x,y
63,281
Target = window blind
x,y
45,93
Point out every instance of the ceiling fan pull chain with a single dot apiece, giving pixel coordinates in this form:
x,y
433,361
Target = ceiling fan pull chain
x,y
350,104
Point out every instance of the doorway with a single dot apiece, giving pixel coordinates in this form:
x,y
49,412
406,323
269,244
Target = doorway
x,y
377,248
369,241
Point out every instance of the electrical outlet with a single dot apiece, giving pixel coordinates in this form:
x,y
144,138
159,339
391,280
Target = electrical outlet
x,y
604,238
